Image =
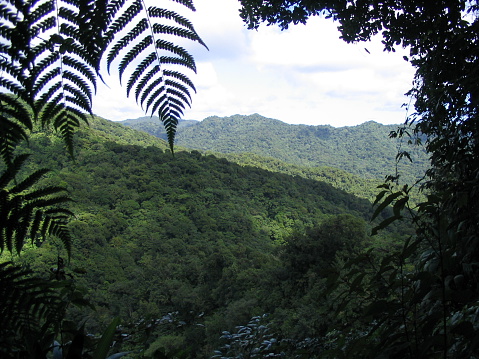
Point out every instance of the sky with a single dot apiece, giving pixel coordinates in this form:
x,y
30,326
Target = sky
x,y
304,75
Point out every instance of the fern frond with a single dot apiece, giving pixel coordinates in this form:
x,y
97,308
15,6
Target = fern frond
x,y
12,170
134,52
126,40
46,79
126,18
43,26
11,68
180,88
181,77
170,15
60,213
81,84
164,102
30,181
26,210
79,98
28,305
17,109
112,8
80,67
144,81
171,60
41,11
154,96
6,13
187,3
178,50
177,31
14,133
170,120
11,87
68,14
42,66
149,88
178,94
140,69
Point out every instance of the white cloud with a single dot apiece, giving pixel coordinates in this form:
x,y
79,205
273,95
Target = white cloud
x,y
303,75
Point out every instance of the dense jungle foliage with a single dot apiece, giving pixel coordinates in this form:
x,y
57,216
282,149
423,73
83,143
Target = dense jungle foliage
x,y
364,150
304,280
196,239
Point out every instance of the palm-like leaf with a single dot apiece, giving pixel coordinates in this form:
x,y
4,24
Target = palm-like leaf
x,y
50,55
29,309
144,54
29,213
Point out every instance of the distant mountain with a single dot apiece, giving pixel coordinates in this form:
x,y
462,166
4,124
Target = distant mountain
x,y
365,150
153,126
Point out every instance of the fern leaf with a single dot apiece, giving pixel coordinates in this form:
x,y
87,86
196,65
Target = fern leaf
x,y
43,26
178,50
12,170
84,88
170,15
187,3
11,86
164,101
144,81
170,122
43,65
17,109
154,96
47,105
179,88
22,229
8,14
126,40
147,90
177,61
79,98
29,181
45,8
46,79
134,53
179,95
60,230
11,69
13,133
112,8
60,213
68,14
80,67
181,77
177,31
126,18
140,69
35,225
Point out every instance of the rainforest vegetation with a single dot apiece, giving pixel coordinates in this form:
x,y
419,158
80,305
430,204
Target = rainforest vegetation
x,y
116,246
347,148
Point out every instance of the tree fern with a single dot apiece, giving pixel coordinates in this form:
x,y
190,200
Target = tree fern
x,y
145,52
30,213
50,60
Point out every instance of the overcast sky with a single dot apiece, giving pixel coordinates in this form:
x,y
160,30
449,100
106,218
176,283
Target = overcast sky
x,y
305,75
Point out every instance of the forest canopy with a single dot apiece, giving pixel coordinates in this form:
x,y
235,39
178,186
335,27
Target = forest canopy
x,y
416,300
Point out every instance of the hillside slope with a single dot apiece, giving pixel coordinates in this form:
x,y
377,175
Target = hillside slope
x,y
190,236
363,150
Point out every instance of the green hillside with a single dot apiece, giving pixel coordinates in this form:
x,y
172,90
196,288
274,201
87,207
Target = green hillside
x,y
194,238
364,150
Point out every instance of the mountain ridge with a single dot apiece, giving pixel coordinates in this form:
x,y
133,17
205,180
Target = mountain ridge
x,y
365,150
